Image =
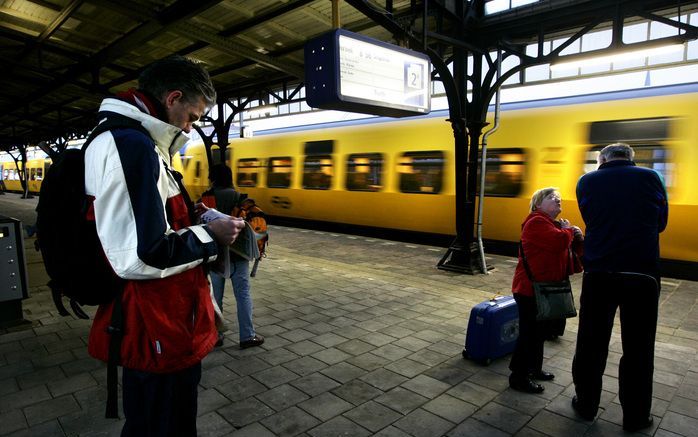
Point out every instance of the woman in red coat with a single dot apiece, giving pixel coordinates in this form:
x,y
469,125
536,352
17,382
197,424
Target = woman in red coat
x,y
546,243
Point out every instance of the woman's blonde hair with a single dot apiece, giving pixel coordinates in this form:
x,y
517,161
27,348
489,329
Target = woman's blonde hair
x,y
539,195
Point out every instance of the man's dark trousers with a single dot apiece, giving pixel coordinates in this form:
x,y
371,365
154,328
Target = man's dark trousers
x,y
160,404
637,296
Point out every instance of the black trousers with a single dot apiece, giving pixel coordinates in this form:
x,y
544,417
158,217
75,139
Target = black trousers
x,y
160,404
637,296
553,328
528,354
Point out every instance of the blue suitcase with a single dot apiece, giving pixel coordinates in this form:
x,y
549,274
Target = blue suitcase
x,y
492,329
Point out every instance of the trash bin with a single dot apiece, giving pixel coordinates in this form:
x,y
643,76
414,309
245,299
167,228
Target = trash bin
x,y
13,271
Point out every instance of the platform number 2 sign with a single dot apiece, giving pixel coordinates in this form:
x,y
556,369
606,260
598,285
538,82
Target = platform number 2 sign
x,y
415,76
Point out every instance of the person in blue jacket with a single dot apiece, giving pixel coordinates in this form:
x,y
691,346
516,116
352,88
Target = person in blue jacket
x,y
624,207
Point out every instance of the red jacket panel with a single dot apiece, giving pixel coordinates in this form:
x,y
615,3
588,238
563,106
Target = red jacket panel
x,y
168,322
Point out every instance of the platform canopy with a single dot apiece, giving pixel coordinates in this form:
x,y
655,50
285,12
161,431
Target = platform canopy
x,y
61,57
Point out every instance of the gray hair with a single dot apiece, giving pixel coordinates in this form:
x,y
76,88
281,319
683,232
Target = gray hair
x,y
178,73
539,196
616,151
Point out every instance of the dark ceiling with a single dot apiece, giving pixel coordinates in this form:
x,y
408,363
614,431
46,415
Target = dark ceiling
x,y
63,56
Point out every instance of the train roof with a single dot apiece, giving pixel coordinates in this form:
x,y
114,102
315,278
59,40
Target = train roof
x,y
529,104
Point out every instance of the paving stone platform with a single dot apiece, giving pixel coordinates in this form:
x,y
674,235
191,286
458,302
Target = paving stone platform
x,y
364,337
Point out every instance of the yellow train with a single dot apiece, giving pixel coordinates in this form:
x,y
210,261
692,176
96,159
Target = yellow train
x,y
37,168
399,174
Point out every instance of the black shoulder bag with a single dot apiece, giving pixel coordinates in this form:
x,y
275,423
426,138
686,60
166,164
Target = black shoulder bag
x,y
554,299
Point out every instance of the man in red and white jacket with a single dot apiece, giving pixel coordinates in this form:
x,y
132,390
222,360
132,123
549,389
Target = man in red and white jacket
x,y
145,227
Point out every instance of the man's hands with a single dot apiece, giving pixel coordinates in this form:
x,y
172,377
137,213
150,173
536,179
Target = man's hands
x,y
226,229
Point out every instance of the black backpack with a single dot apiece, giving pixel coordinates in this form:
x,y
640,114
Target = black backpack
x,y
71,249
68,241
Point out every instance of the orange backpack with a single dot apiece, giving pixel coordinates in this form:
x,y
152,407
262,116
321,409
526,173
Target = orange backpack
x,y
248,210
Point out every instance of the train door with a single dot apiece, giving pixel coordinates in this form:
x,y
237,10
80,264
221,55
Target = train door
x,y
504,208
279,180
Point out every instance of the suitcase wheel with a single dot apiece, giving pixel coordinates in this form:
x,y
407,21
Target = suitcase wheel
x,y
483,362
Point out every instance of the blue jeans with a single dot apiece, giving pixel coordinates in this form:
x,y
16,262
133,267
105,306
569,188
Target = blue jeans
x,y
240,278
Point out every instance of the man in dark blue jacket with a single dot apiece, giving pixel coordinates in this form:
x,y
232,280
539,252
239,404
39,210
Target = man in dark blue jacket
x,y
624,208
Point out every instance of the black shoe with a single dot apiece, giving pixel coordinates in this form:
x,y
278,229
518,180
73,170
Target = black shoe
x,y
525,385
634,425
543,376
257,340
582,412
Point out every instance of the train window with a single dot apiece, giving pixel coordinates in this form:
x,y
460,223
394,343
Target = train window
x,y
39,174
364,172
317,172
504,172
247,172
655,157
279,172
32,174
421,172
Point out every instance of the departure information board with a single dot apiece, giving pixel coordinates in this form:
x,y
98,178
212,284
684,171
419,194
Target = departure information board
x,y
351,72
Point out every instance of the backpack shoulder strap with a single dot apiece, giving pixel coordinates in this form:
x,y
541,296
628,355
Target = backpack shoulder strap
x,y
113,120
191,208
